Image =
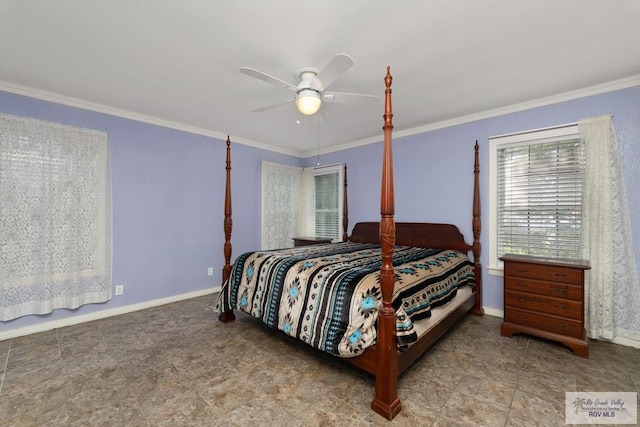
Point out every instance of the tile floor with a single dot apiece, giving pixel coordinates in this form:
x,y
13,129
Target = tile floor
x,y
176,365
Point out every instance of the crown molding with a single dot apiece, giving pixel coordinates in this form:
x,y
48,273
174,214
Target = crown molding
x,y
130,115
514,108
540,102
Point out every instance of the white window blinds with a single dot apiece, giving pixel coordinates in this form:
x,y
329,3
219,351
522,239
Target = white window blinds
x,y
328,205
539,197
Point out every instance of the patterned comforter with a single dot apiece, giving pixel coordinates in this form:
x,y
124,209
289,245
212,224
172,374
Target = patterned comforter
x,y
328,296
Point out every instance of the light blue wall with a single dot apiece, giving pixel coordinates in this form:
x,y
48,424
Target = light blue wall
x,y
168,193
168,189
433,170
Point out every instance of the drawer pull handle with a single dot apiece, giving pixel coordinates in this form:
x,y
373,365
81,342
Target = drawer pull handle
x,y
561,326
560,274
520,316
561,306
561,291
522,299
522,270
522,285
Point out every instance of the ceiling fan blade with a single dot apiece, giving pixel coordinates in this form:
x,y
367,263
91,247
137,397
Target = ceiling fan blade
x,y
338,65
274,104
349,98
252,72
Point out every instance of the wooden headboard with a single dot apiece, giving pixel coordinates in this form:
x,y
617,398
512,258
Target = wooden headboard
x,y
418,234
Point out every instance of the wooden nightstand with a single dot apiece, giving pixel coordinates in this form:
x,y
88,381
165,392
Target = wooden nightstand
x,y
306,241
545,297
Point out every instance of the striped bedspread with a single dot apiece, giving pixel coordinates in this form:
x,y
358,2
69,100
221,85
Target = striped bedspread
x,y
328,296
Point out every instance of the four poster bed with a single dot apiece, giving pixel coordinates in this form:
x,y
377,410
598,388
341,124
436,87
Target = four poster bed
x,y
379,299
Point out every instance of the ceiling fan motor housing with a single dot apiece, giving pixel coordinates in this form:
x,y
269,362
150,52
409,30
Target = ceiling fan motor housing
x,y
308,78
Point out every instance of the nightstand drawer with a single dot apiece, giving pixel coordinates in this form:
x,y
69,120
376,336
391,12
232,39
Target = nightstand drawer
x,y
543,272
553,324
543,304
557,290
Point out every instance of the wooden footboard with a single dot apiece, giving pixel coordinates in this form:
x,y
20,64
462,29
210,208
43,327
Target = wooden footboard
x,y
367,361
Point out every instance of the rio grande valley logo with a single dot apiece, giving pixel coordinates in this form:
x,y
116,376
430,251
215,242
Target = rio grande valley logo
x,y
601,408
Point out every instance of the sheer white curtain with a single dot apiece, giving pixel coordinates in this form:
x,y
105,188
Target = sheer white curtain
x,y
306,212
280,204
55,217
613,293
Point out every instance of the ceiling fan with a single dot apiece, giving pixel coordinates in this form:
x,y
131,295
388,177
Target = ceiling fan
x,y
310,92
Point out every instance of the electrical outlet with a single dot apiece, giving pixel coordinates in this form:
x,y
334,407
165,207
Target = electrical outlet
x,y
119,289
210,271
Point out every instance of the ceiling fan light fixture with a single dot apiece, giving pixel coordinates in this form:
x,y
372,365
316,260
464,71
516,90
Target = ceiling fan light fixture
x,y
308,101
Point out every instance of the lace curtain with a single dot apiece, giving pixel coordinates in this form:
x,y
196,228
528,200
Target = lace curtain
x,y
55,217
612,298
280,204
306,211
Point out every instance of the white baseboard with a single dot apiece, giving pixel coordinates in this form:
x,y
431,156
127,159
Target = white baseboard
x,y
493,312
623,341
75,320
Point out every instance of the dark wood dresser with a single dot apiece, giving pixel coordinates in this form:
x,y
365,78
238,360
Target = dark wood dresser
x,y
545,297
305,241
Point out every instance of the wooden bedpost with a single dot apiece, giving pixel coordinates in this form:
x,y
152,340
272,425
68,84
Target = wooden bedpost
x,y
476,225
345,209
386,402
227,316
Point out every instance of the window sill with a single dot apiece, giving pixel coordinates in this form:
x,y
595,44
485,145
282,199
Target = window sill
x,y
495,270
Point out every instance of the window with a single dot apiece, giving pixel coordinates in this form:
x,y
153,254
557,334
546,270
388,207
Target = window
x,y
55,217
300,202
536,194
328,189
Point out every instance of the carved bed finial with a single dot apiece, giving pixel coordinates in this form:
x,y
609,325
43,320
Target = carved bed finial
x,y
388,109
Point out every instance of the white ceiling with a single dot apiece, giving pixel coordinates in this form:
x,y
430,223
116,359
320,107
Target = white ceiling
x,y
176,62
